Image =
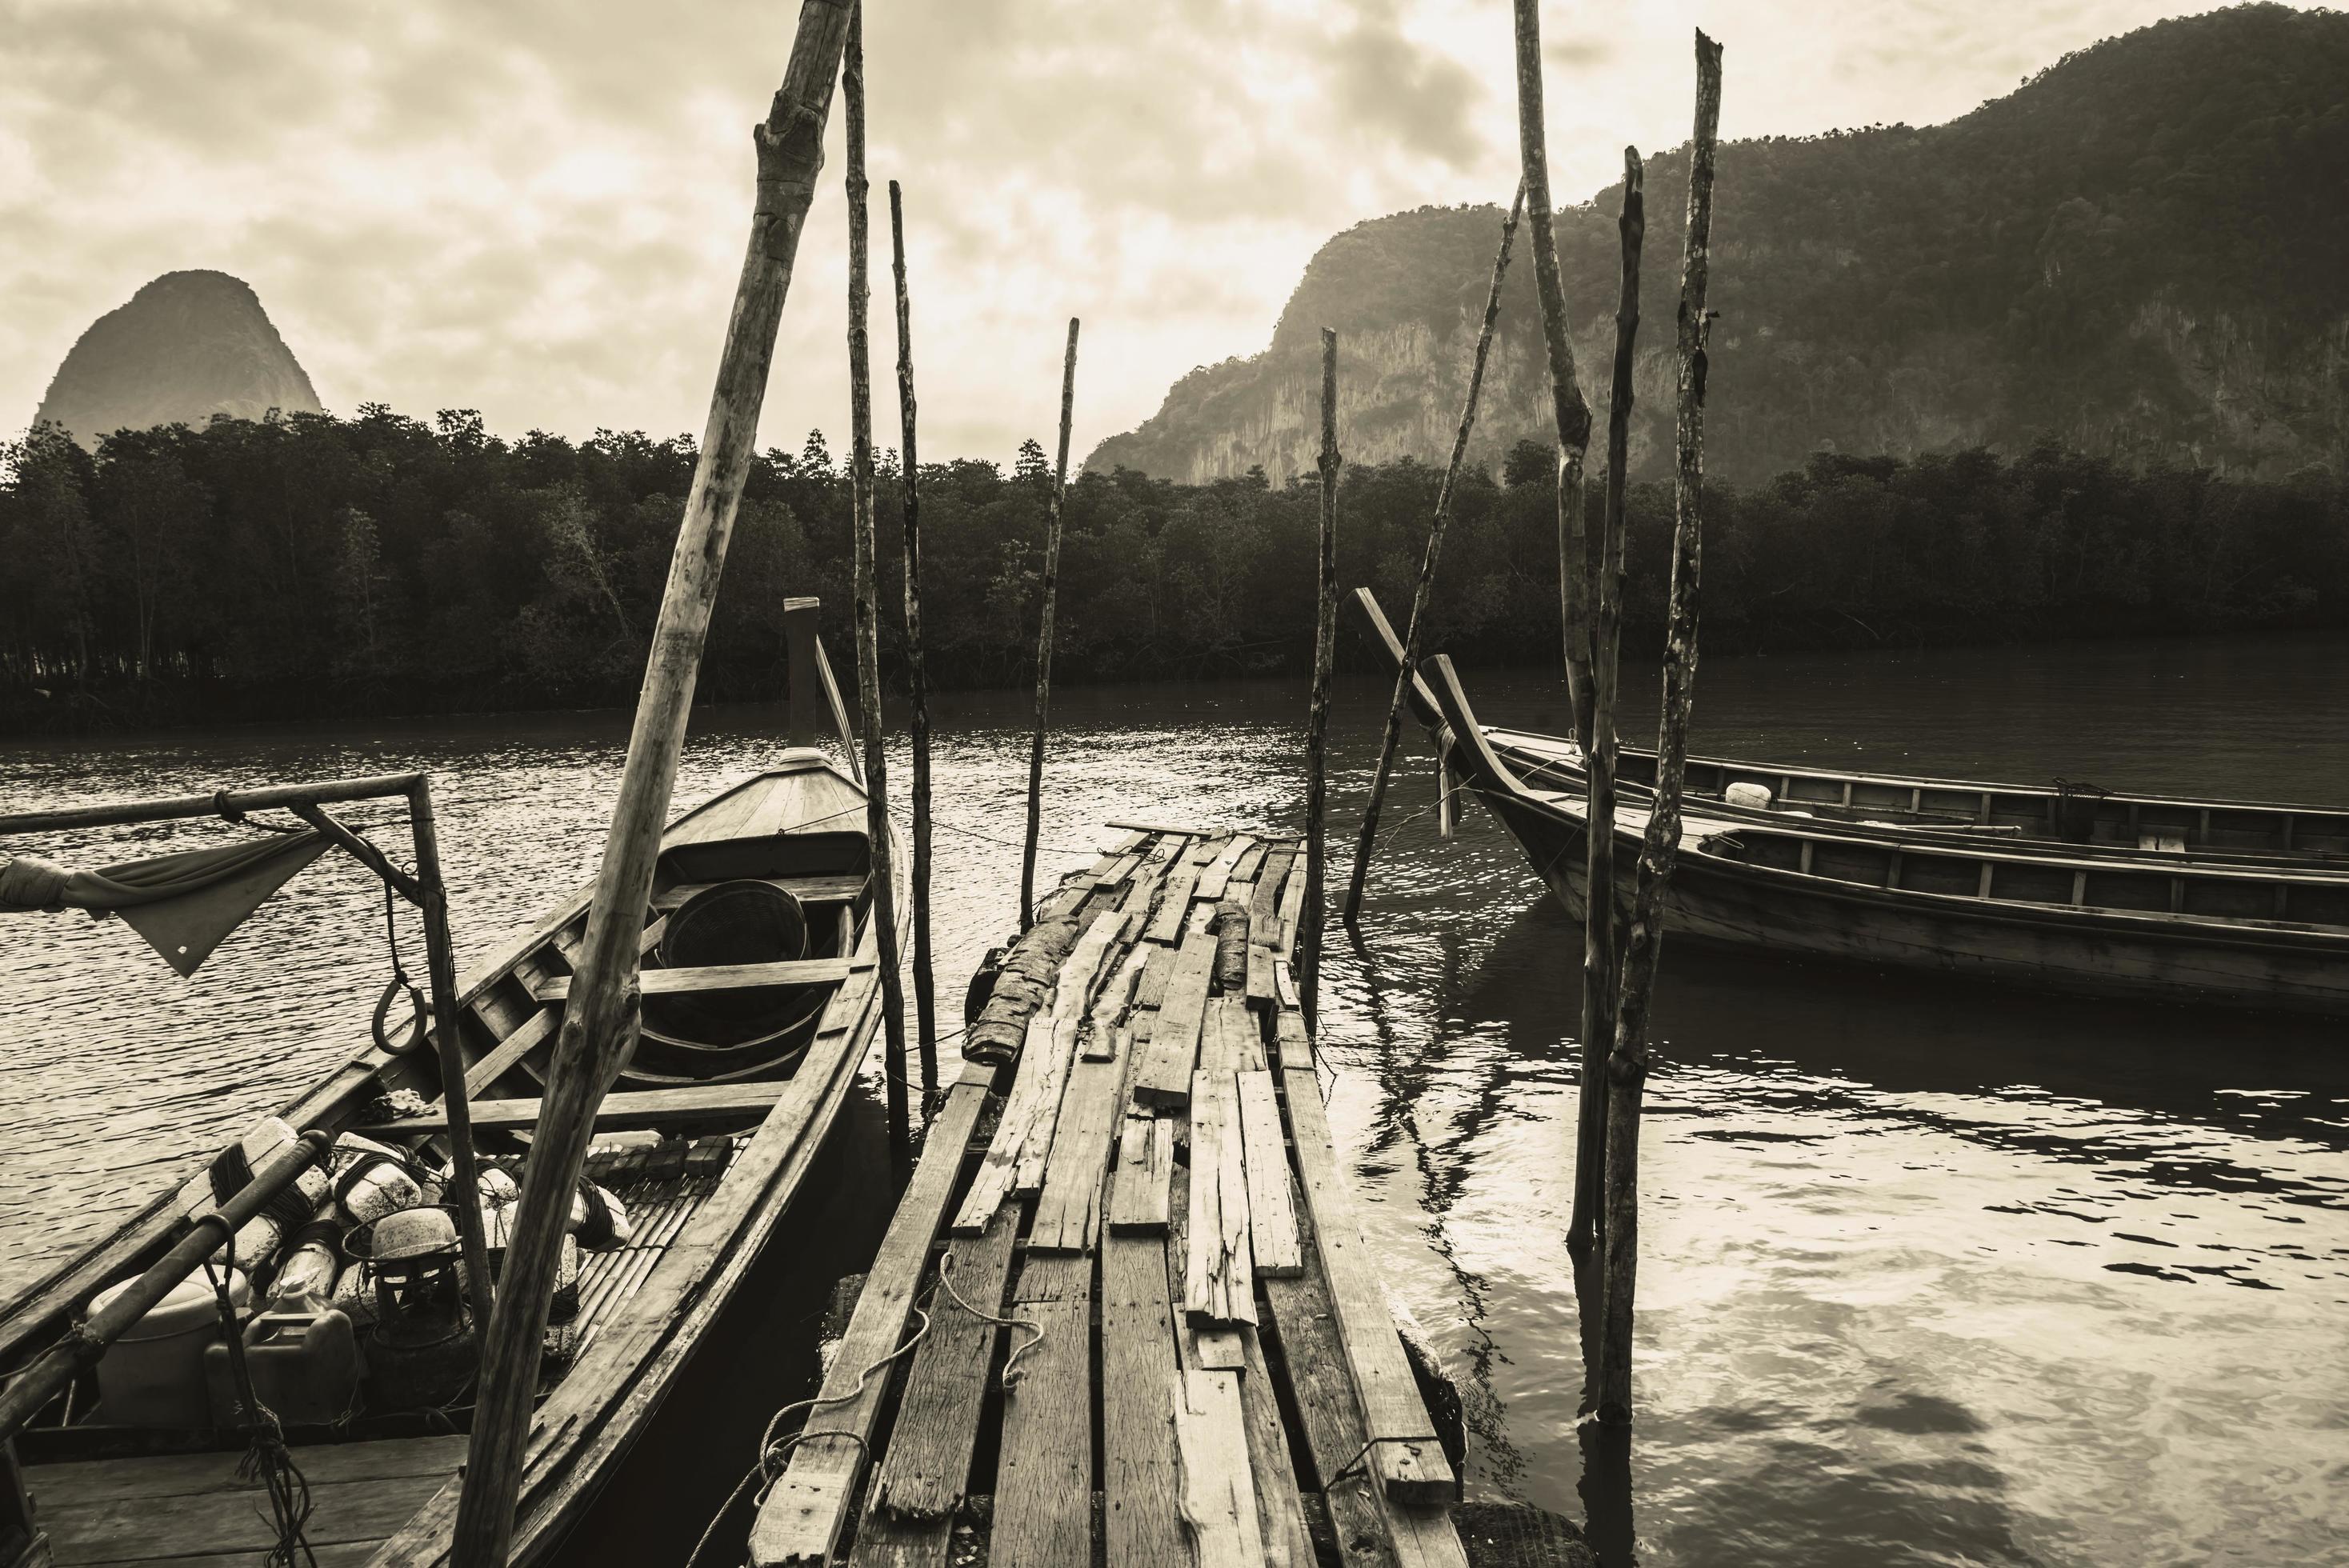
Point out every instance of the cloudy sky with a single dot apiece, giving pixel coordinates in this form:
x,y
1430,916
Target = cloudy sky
x,y
537,208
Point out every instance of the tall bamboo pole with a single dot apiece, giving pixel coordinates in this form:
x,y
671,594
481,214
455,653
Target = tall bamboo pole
x,y
868,607
1425,591
599,1024
1571,414
1599,973
1627,1066
1044,636
1317,727
917,680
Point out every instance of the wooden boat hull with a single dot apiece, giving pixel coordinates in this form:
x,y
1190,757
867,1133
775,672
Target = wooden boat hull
x,y
654,1302
2085,952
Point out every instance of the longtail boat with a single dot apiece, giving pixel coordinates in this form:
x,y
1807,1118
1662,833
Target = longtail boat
x,y
2069,816
2138,926
759,1001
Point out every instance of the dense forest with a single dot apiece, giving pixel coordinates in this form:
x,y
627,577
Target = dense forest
x,y
377,565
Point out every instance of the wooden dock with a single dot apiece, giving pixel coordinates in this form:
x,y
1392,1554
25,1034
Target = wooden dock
x,y
1124,1312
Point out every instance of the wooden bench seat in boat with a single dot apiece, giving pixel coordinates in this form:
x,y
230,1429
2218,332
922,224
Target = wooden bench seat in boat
x,y
626,1112
719,977
807,889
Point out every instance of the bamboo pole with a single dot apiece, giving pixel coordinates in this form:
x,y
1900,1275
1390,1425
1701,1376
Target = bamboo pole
x,y
869,606
1571,414
1317,728
1425,591
1600,975
917,680
1044,637
599,1022
1627,1068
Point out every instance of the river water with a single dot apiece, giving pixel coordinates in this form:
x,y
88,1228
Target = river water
x,y
1930,1274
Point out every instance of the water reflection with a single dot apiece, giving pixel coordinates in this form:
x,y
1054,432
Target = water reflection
x,y
1931,1273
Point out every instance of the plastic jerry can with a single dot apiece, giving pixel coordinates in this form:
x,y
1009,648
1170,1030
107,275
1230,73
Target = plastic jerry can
x,y
304,1361
153,1376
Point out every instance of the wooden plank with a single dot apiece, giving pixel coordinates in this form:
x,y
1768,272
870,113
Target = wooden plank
x,y
508,1052
1175,908
1294,1044
1036,1143
718,977
1218,1483
1408,1462
632,1110
1043,1481
1117,870
233,1520
95,1482
1111,1005
1162,1072
1140,901
1218,874
1292,910
801,1520
1072,998
1068,1208
1034,1101
1273,1244
1157,968
923,1476
1245,869
1262,988
1140,1473
1145,1166
1231,1040
1280,1506
1264,908
1218,1282
807,889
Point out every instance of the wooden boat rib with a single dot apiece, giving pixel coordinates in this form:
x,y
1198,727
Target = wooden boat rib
x,y
2074,817
707,1168
2096,924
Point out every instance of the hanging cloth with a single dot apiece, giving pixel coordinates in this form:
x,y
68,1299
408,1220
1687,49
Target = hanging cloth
x,y
184,905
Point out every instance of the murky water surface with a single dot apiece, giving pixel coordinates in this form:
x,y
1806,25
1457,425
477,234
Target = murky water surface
x,y
1931,1273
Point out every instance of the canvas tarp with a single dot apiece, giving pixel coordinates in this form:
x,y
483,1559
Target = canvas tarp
x,y
183,904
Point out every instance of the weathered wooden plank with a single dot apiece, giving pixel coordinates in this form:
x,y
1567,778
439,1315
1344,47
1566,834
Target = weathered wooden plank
x,y
1043,1484
1157,968
1273,1243
923,1475
1036,1143
1245,869
718,977
1161,1071
1068,1209
629,1111
1033,1103
1140,900
1281,1510
95,1482
801,1520
1218,1483
1218,874
148,1530
1263,987
1295,1045
1219,1281
1292,910
1174,906
1111,1002
807,889
1145,1166
1140,1473
1232,1041
1117,870
1408,1462
508,1052
1264,908
1212,1345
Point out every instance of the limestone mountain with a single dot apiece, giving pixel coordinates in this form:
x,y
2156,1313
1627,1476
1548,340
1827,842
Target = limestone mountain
x,y
187,346
2137,254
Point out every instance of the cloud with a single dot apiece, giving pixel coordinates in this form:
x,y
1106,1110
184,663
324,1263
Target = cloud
x,y
537,208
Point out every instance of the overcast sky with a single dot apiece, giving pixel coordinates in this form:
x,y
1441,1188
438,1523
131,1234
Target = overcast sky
x,y
538,209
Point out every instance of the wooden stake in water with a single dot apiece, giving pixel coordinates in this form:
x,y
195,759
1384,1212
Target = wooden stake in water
x,y
599,1021
1627,1066
1317,727
1571,414
917,680
1044,637
1600,975
868,608
1392,736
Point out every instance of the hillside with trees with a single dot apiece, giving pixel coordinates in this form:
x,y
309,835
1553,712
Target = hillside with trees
x,y
2136,254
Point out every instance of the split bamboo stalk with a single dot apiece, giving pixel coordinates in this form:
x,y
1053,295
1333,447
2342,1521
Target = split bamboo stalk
x,y
868,608
1044,637
1317,728
1572,415
1425,591
917,680
599,1022
1627,1068
1600,972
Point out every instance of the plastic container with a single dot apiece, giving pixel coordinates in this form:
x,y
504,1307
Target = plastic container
x,y
304,1361
153,1376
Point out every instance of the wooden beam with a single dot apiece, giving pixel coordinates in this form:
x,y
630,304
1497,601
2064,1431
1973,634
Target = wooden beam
x,y
1273,1246
1043,1481
927,1465
807,889
1218,1483
718,977
1028,1115
1068,1206
632,1109
1217,875
1145,1166
1162,1073
1219,1279
1141,1472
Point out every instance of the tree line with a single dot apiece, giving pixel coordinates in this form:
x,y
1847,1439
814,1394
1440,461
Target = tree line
x,y
316,565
